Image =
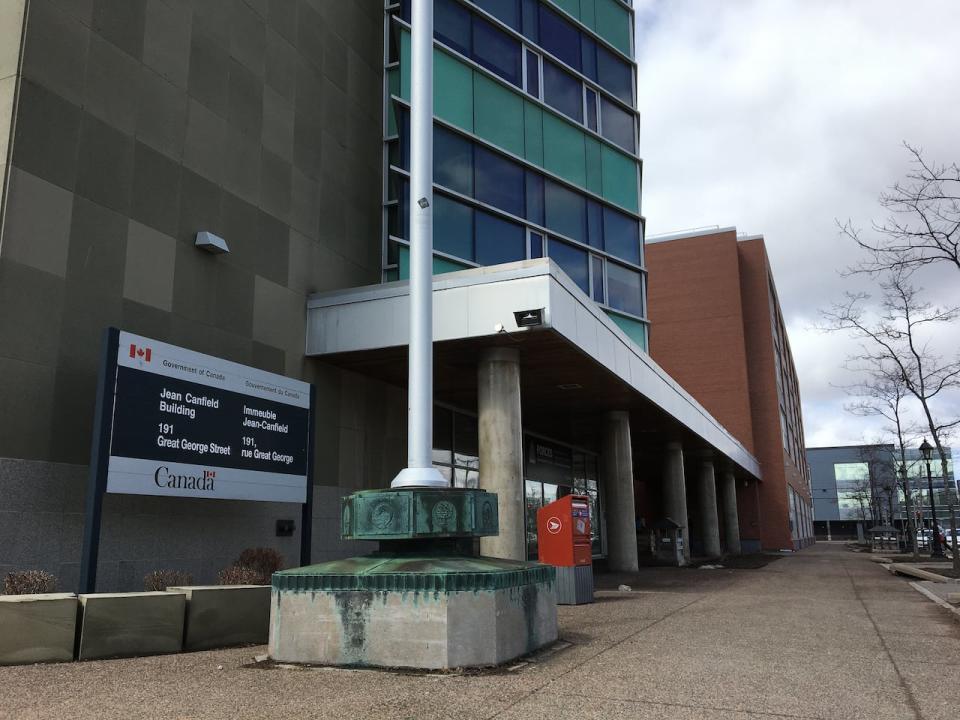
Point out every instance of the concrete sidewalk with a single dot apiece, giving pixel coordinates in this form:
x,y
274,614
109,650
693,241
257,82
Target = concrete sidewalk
x,y
824,633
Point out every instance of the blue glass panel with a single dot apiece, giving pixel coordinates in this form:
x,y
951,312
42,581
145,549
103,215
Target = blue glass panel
x,y
507,11
531,24
452,161
559,38
452,227
596,264
566,211
588,56
533,74
535,198
398,216
496,51
405,10
624,289
621,235
536,245
591,102
617,125
451,25
594,224
498,240
572,261
499,181
615,75
562,91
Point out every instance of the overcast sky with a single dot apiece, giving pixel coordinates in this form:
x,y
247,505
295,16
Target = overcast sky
x,y
781,116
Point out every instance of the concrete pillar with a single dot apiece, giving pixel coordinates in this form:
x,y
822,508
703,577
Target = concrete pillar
x,y
675,492
709,520
829,537
616,469
731,522
501,448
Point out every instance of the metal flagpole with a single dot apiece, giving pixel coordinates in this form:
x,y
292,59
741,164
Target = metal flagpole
x,y
420,471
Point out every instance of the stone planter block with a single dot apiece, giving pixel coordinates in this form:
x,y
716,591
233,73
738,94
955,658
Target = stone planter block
x,y
37,628
129,624
225,615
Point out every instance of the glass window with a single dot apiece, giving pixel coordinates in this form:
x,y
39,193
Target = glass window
x,y
620,180
596,269
466,451
496,51
398,215
533,500
590,103
452,160
536,245
572,261
621,235
506,11
624,289
531,26
466,478
499,114
499,182
613,24
533,73
559,38
535,197
588,56
442,436
452,227
566,211
615,75
451,25
594,224
499,241
562,91
617,125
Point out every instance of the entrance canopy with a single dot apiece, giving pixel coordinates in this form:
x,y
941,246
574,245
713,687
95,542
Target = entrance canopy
x,y
576,363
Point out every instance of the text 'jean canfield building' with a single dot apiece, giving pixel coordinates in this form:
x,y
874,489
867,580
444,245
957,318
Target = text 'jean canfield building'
x,y
281,127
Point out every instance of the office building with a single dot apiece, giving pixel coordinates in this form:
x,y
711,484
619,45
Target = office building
x,y
280,128
717,328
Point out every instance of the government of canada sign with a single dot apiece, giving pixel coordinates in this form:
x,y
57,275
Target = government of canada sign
x,y
186,424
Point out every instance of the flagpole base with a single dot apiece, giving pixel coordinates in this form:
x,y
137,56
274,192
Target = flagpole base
x,y
420,477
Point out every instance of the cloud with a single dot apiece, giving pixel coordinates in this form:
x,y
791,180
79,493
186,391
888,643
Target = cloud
x,y
781,117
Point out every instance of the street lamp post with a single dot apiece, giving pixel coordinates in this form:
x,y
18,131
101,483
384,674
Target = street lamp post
x,y
926,449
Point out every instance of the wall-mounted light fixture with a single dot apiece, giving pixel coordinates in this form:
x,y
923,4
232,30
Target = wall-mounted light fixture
x,y
211,243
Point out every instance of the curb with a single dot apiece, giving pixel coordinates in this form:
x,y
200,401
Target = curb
x,y
939,601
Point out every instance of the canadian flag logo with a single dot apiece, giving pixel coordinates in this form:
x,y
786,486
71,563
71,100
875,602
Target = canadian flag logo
x,y
139,353
207,474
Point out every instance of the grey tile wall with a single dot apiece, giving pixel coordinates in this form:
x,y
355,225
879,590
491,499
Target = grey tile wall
x,y
138,124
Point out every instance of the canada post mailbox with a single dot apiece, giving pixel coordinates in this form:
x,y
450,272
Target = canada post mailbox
x,y
563,539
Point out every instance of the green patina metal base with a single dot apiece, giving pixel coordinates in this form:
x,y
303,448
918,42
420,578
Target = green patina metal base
x,y
418,513
413,573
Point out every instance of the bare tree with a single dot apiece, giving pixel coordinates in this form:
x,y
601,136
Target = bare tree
x,y
896,339
923,222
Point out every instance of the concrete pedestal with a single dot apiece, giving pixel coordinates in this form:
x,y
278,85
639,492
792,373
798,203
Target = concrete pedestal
x,y
709,520
616,472
413,612
500,440
675,493
37,628
731,521
575,585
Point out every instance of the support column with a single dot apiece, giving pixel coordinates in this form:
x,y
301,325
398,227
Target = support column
x,y
501,448
616,469
709,520
675,492
829,537
731,522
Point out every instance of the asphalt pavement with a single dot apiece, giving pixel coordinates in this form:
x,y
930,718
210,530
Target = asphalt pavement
x,y
822,633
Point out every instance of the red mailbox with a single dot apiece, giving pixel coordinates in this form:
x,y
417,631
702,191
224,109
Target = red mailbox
x,y
563,532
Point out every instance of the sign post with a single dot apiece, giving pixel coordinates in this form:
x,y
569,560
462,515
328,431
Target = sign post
x,y
176,423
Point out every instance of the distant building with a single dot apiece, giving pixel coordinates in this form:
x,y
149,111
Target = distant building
x,y
858,486
716,326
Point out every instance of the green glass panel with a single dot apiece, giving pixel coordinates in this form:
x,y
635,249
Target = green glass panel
x,y
571,6
391,275
393,77
440,265
620,178
452,90
533,133
594,166
613,24
563,150
392,118
634,329
405,65
588,14
498,114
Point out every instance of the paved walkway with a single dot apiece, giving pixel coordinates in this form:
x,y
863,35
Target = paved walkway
x,y
824,633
